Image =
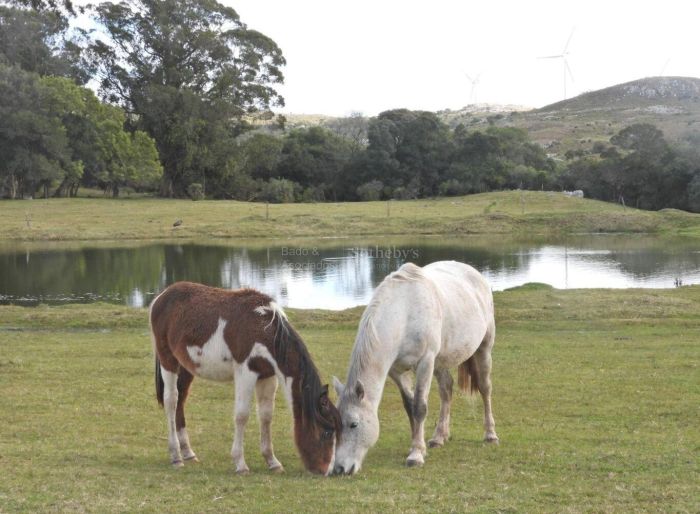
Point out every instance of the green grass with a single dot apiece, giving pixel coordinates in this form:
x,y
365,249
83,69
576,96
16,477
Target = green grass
x,y
511,212
596,397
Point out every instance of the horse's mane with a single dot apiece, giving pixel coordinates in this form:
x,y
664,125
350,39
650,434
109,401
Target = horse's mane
x,y
366,342
287,341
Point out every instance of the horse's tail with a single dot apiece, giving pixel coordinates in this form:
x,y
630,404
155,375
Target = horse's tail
x,y
468,376
160,385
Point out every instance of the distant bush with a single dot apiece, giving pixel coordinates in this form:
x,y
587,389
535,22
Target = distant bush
x,y
313,194
370,191
195,191
451,187
408,192
279,191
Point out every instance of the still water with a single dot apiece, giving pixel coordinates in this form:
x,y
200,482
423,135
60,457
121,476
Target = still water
x,y
332,273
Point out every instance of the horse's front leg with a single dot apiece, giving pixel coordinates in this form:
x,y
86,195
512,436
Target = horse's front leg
x,y
403,382
424,374
245,381
265,391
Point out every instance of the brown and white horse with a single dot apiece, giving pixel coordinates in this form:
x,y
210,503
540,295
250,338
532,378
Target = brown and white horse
x,y
240,336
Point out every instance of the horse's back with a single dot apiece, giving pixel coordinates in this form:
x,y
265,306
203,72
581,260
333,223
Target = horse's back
x,y
189,302
467,309
188,317
453,276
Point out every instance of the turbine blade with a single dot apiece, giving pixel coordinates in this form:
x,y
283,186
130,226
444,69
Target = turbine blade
x,y
566,46
566,63
551,57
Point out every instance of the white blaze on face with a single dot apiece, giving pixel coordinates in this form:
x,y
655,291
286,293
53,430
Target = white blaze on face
x,y
213,359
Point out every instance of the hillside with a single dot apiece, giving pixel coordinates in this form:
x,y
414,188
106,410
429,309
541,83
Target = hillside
x,y
506,212
670,103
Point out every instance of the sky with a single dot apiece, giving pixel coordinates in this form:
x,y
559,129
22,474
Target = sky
x,y
369,56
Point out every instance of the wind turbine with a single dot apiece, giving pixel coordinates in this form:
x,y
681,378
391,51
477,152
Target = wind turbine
x,y
562,56
474,82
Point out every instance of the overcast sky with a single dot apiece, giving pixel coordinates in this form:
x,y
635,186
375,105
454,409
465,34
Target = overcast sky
x,y
374,55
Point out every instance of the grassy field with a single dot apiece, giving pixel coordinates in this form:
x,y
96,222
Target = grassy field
x,y
596,402
511,212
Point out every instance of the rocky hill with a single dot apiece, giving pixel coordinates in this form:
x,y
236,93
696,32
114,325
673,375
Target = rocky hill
x,y
670,103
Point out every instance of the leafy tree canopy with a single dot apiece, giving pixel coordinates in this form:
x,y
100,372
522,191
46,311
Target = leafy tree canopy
x,y
189,71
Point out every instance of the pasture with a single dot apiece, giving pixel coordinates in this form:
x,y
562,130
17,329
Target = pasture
x,y
508,212
596,397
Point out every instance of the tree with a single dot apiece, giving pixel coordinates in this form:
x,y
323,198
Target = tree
x,y
260,156
37,42
642,168
315,157
353,128
62,8
126,159
370,191
53,132
189,71
408,147
34,148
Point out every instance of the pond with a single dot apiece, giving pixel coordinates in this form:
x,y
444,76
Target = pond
x,y
331,273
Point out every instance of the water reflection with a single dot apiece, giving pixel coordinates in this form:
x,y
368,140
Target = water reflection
x,y
333,274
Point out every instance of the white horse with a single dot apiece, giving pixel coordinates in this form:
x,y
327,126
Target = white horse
x,y
428,320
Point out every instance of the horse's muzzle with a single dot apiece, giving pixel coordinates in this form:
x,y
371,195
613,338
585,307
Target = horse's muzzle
x,y
340,470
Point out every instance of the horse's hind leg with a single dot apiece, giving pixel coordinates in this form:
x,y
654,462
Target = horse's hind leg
x,y
482,359
170,400
265,389
184,381
442,429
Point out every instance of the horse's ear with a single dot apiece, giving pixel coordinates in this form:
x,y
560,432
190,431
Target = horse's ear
x,y
338,386
323,398
359,390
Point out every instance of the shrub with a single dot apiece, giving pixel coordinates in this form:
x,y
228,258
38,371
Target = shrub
x,y
278,190
195,191
370,191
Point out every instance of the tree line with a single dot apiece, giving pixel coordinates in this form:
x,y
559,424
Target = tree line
x,y
184,87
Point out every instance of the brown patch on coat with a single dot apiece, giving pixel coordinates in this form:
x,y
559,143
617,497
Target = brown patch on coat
x,y
187,314
261,366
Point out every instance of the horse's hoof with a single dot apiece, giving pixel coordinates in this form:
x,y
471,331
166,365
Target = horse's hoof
x,y
491,440
414,463
434,443
277,469
192,459
177,464
243,472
